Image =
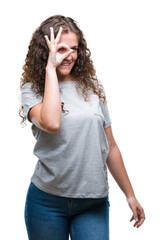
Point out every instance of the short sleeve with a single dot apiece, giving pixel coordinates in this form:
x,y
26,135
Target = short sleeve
x,y
105,111
29,98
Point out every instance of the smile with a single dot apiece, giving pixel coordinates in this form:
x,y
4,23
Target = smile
x,y
65,64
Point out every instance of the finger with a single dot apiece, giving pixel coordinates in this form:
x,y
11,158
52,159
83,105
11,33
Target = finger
x,y
60,45
135,223
135,215
140,223
58,35
51,34
131,218
47,40
141,218
141,213
64,55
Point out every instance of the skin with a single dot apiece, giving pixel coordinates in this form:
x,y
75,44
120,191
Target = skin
x,y
71,40
48,114
117,169
62,50
114,160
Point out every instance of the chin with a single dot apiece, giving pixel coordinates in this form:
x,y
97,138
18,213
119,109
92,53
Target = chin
x,y
63,73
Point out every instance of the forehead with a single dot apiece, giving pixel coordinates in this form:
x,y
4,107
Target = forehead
x,y
69,38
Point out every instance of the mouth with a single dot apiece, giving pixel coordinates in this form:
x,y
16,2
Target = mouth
x,y
66,64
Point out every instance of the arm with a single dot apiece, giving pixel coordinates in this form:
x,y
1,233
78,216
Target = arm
x,y
51,107
47,115
117,169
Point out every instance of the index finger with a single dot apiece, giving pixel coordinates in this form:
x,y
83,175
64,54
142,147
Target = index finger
x,y
58,35
60,45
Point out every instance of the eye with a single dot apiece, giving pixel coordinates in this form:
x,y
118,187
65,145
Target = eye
x,y
62,50
74,48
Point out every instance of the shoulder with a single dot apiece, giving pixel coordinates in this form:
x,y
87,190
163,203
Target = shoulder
x,y
26,88
27,85
27,93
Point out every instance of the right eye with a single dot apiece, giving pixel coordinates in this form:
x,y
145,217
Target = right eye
x,y
62,50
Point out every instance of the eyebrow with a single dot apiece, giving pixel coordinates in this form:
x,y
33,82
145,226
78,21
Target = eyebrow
x,y
74,47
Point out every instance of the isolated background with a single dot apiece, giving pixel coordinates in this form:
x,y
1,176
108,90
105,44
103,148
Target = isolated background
x,y
126,39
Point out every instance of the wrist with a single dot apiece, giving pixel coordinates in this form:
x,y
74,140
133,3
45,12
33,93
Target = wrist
x,y
130,196
50,67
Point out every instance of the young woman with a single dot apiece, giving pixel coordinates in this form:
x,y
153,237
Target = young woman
x,y
66,104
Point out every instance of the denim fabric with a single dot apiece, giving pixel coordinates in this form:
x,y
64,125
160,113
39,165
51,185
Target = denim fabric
x,y
52,217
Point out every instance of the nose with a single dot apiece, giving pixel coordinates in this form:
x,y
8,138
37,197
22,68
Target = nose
x,y
69,57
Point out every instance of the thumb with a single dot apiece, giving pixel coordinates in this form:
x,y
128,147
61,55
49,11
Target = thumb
x,y
135,215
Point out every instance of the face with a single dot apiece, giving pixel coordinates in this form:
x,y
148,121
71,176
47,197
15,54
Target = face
x,y
71,40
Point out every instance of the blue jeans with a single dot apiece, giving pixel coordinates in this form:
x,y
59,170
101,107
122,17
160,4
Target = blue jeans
x,y
52,217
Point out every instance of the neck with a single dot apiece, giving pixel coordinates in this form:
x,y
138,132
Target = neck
x,y
62,78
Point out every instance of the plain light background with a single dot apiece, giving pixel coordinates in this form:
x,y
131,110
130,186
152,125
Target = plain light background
x,y
126,39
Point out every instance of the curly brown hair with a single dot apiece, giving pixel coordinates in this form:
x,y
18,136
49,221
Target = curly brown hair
x,y
37,56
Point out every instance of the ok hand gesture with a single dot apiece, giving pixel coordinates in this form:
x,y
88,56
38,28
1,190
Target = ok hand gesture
x,y
55,58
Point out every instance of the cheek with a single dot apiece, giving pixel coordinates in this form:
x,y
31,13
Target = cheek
x,y
75,56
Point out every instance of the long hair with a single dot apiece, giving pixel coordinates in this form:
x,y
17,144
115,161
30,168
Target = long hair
x,y
37,56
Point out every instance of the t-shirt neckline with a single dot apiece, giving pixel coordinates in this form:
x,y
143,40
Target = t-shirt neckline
x,y
68,82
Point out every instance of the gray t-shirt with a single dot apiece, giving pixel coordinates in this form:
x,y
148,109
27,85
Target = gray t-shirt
x,y
72,162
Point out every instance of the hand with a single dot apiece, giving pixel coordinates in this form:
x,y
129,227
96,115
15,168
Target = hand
x,y
138,212
55,58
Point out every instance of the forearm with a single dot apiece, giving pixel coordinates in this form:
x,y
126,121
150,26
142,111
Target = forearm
x,y
51,106
116,167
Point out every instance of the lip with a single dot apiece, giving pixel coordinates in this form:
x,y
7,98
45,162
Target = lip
x,y
66,66
67,63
